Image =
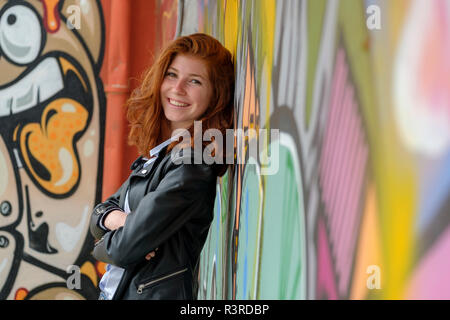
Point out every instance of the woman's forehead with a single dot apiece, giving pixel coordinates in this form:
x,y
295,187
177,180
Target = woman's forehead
x,y
190,65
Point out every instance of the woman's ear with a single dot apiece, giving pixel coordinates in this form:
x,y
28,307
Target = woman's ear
x,y
90,25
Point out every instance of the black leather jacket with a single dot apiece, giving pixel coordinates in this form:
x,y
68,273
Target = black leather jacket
x,y
171,209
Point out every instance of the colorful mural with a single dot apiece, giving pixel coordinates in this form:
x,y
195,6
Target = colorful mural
x,y
66,70
359,208
51,127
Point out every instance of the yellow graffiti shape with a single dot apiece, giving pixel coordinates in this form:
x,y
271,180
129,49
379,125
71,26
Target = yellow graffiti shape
x,y
48,148
231,25
89,270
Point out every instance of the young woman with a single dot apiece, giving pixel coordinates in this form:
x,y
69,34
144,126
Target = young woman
x,y
152,230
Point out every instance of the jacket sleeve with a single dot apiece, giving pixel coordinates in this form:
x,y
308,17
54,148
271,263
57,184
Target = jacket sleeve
x,y
161,213
102,209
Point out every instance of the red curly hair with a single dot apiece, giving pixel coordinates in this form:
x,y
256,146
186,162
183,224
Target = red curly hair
x,y
144,108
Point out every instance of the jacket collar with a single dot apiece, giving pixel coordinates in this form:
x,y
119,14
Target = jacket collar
x,y
162,146
154,153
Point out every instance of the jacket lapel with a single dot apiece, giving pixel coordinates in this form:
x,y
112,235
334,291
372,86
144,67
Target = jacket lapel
x,y
140,179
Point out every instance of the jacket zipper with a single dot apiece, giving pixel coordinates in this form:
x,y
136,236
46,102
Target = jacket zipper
x,y
143,286
99,241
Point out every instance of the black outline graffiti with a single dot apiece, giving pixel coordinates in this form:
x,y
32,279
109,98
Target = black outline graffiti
x,y
89,289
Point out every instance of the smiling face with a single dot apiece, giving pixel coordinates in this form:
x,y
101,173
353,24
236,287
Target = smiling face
x,y
186,91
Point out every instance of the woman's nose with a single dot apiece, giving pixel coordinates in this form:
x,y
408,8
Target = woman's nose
x,y
179,86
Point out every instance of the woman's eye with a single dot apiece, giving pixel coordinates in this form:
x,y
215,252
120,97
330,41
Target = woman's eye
x,y
171,75
195,81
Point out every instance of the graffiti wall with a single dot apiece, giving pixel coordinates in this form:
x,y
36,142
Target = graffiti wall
x,y
51,127
359,207
66,69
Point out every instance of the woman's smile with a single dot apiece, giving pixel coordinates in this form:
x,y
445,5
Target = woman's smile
x,y
178,104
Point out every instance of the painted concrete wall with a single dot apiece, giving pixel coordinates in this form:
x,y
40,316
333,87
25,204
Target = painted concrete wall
x,y
359,203
52,107
66,69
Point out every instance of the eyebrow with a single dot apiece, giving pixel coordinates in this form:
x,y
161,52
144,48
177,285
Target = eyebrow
x,y
191,74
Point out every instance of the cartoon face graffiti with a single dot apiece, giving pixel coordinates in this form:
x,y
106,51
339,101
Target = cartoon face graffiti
x,y
51,128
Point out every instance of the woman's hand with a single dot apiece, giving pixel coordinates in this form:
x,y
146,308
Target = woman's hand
x,y
115,219
151,254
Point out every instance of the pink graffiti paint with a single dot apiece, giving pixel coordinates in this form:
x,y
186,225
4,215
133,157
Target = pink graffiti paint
x,y
342,171
326,284
434,65
431,279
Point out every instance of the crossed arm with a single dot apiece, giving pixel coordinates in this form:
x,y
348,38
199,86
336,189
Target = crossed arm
x,y
180,196
116,219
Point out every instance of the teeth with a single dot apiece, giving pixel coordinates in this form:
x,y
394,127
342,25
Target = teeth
x,y
40,84
178,104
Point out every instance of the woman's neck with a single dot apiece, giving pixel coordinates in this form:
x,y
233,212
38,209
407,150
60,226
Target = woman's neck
x,y
167,129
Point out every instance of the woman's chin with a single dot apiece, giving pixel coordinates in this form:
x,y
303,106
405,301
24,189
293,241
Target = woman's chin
x,y
180,124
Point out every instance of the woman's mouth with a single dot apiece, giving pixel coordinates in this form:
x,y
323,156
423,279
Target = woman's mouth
x,y
178,104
